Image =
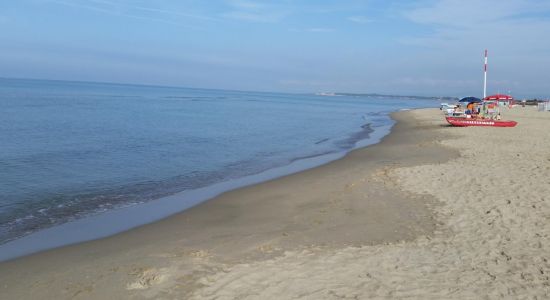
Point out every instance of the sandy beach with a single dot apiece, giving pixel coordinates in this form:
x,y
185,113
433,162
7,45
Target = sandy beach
x,y
431,212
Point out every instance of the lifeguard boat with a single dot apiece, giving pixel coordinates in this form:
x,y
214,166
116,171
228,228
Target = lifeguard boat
x,y
463,122
487,115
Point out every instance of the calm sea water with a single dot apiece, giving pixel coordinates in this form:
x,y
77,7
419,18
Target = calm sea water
x,y
71,149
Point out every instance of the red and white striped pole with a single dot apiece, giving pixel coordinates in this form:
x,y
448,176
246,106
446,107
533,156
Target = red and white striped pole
x,y
485,76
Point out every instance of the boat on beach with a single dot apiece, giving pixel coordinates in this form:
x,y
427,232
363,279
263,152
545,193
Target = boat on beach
x,y
479,112
482,113
464,122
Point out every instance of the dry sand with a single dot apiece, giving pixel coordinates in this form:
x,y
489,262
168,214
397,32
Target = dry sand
x,y
431,212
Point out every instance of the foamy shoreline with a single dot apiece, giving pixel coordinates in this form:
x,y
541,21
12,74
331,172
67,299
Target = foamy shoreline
x,y
387,221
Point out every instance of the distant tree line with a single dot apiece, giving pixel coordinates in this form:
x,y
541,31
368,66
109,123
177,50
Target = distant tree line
x,y
532,101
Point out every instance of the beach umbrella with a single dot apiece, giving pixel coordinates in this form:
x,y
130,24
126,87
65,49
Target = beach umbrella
x,y
470,100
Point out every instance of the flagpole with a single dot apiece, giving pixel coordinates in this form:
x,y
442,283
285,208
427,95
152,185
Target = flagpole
x,y
485,76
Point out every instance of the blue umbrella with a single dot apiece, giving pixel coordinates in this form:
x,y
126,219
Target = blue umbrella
x,y
470,100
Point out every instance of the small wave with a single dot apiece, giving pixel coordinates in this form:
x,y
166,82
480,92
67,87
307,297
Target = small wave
x,y
310,156
350,142
321,141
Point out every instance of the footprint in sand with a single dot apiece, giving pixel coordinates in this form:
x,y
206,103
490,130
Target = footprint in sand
x,y
199,253
78,289
146,278
266,248
350,186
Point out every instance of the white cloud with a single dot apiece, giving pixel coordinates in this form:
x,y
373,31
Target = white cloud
x,y
254,17
468,14
169,12
454,34
465,13
489,23
171,17
255,11
313,29
320,30
359,19
433,82
301,83
244,4
314,84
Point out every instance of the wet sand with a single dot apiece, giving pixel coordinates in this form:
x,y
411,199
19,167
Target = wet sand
x,y
299,235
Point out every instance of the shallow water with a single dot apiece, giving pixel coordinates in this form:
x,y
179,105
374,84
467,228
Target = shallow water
x,y
72,149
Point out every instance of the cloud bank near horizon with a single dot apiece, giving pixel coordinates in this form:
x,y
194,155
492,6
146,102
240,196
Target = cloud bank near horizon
x,y
427,47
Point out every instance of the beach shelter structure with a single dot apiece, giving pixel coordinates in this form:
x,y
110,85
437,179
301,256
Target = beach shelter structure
x,y
501,99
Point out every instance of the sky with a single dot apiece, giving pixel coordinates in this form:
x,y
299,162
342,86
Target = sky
x,y
417,47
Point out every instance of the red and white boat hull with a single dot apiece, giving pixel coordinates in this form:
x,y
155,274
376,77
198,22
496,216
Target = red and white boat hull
x,y
463,122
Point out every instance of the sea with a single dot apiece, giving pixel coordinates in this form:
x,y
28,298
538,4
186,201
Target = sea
x,y
74,151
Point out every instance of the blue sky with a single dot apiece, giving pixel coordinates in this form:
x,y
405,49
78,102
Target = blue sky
x,y
424,47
